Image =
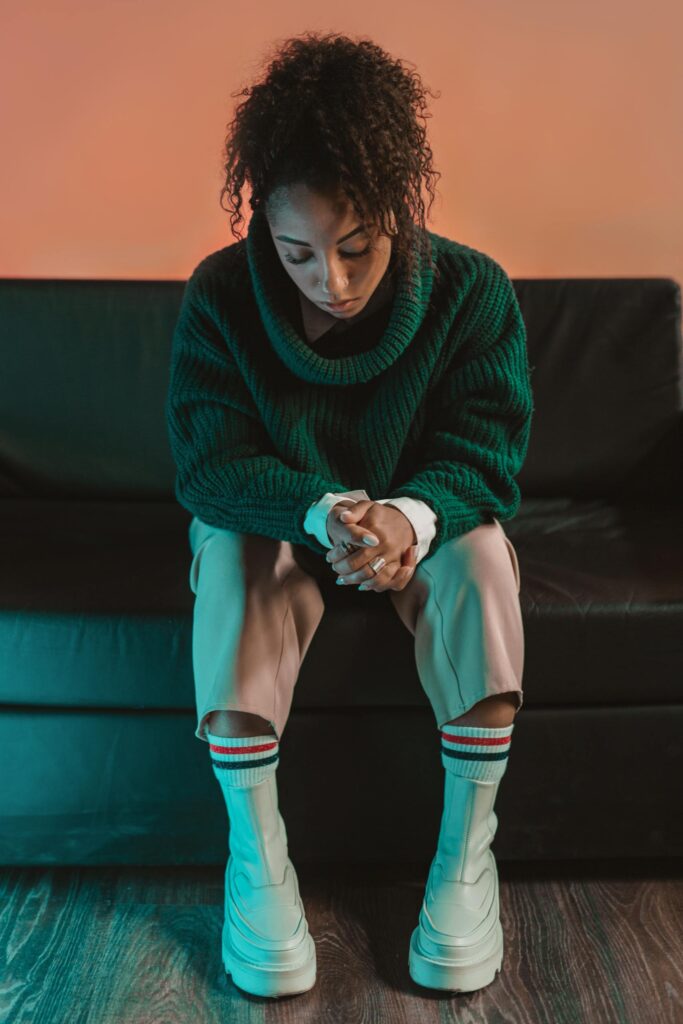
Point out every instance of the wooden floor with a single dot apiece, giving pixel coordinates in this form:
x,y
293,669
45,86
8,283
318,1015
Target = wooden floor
x,y
595,943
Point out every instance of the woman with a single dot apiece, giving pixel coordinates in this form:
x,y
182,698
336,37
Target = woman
x,y
286,412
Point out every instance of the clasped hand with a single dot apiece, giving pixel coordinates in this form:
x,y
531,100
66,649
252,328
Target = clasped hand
x,y
397,545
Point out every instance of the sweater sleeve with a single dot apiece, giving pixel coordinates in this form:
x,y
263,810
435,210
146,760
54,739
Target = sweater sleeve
x,y
478,424
227,473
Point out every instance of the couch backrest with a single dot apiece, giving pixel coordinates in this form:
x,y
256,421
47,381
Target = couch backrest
x,y
85,373
607,378
85,369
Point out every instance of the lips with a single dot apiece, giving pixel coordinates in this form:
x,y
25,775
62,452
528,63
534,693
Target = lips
x,y
340,305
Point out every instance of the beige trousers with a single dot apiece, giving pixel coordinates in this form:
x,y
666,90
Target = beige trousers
x,y
258,604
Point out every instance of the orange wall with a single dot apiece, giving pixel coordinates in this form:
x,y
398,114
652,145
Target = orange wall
x,y
558,130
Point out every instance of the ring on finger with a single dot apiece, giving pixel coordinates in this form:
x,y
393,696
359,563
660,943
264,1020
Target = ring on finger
x,y
377,564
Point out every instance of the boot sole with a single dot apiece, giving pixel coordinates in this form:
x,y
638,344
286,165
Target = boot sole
x,y
462,977
267,980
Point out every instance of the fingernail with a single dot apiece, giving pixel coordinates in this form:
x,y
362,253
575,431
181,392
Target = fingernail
x,y
371,541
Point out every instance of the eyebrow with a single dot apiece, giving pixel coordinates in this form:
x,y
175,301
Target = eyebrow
x,y
295,241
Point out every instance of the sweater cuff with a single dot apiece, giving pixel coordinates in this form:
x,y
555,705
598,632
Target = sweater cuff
x,y
315,521
422,518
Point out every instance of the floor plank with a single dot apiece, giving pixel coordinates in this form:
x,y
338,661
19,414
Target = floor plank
x,y
119,945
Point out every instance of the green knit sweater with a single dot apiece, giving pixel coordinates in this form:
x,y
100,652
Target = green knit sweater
x,y
261,426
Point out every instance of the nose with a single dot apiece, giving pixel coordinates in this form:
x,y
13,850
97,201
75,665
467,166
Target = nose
x,y
334,281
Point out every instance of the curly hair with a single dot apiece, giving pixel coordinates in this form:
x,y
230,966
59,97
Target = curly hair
x,y
336,115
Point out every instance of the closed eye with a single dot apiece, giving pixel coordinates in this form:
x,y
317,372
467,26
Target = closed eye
x,y
349,255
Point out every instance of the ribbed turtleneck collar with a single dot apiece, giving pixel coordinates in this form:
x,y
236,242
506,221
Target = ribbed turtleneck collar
x,y
270,282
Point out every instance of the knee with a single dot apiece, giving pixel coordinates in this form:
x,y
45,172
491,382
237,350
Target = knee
x,y
238,723
494,712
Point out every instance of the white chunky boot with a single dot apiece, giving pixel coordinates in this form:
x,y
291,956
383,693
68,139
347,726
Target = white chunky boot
x,y
458,942
266,944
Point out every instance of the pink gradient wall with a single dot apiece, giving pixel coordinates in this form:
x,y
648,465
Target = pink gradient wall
x,y
557,131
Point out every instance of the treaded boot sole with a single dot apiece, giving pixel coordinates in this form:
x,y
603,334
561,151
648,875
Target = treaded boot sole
x,y
267,980
462,977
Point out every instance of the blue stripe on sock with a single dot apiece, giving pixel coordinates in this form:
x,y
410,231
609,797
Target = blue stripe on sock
x,y
254,762
466,755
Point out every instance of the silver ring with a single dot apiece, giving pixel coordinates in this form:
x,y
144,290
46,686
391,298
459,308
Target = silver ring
x,y
377,563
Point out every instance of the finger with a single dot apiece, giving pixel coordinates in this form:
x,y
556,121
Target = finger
x,y
391,584
358,576
380,581
355,511
392,576
401,580
411,555
357,534
337,555
354,533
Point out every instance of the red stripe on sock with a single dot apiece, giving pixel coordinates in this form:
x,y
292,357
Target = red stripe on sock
x,y
477,741
255,749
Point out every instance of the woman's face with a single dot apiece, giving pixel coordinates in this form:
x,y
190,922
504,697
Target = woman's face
x,y
328,253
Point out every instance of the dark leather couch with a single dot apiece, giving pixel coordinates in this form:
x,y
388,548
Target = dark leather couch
x,y
98,758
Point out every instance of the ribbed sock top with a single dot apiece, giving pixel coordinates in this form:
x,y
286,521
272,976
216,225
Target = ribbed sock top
x,y
243,760
475,751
